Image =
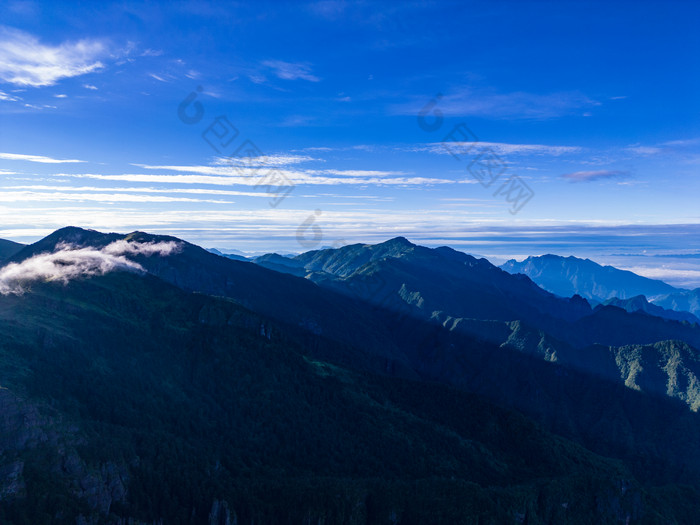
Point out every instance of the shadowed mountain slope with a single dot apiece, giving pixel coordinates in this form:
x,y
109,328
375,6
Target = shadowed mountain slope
x,y
145,402
8,249
385,324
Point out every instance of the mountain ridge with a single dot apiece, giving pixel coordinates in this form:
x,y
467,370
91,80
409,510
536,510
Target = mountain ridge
x,y
396,312
107,387
685,300
566,276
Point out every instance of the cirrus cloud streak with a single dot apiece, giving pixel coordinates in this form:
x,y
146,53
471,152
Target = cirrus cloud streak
x,y
36,158
24,61
589,176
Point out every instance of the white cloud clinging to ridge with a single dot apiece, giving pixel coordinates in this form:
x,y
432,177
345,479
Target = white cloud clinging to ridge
x,y
70,262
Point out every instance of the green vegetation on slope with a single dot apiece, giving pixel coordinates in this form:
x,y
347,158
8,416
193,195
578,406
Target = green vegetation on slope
x,y
192,404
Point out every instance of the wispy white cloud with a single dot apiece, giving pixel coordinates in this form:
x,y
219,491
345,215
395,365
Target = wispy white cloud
x,y
358,147
318,148
42,106
90,86
56,196
9,98
221,171
124,247
157,77
225,175
500,148
24,61
151,52
291,70
256,78
254,177
69,262
588,176
85,189
356,173
266,160
669,147
644,150
36,158
682,143
355,197
515,105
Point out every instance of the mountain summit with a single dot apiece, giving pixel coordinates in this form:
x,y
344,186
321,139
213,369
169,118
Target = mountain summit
x,y
566,276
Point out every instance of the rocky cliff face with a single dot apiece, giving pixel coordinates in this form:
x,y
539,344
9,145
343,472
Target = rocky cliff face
x,y
33,441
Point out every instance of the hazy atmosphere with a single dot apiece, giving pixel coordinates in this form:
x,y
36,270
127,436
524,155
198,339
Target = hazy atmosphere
x,y
502,129
349,262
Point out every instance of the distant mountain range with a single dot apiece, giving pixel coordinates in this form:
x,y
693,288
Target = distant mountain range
x,y
682,300
237,256
566,276
148,380
640,304
472,297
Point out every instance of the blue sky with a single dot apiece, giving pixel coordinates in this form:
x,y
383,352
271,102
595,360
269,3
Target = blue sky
x,y
324,123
